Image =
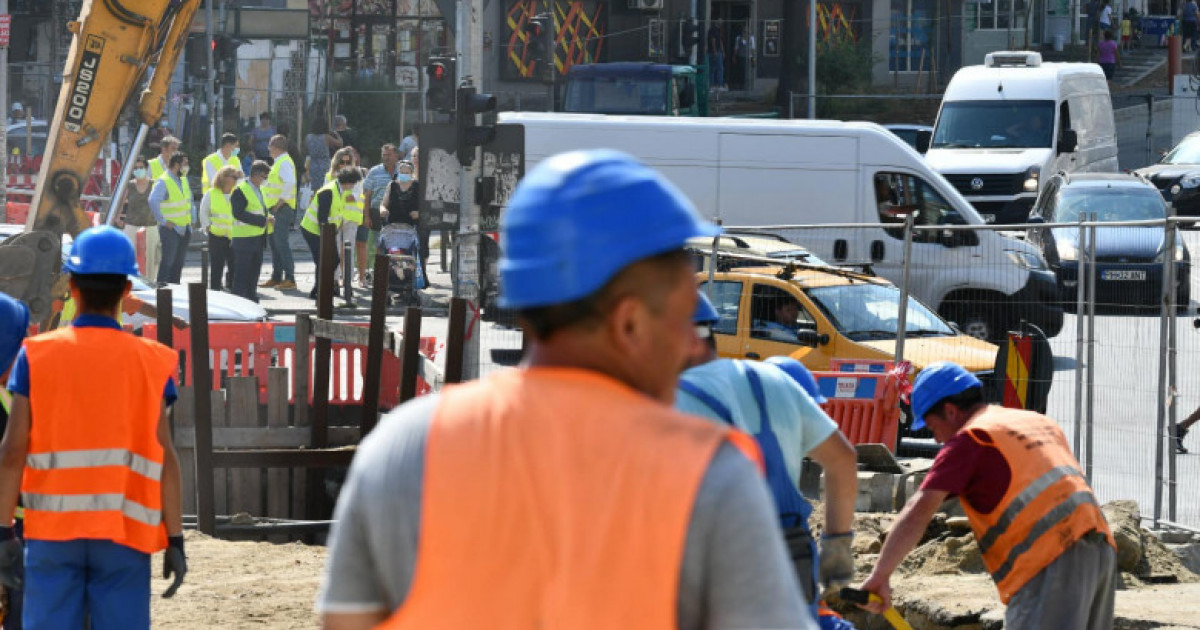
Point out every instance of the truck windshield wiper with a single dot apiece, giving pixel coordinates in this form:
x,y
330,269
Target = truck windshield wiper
x,y
873,334
926,332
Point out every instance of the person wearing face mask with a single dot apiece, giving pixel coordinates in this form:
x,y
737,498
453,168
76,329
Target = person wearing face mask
x,y
402,204
138,217
251,223
171,203
216,217
227,155
327,207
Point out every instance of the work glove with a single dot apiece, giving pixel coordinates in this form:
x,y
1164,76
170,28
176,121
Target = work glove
x,y
174,562
837,560
12,560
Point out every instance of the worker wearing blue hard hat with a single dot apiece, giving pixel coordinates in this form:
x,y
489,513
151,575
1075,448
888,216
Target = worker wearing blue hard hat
x,y
767,402
1039,527
661,520
97,473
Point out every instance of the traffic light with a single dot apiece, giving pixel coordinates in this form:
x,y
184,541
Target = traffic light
x,y
689,34
440,94
535,37
469,134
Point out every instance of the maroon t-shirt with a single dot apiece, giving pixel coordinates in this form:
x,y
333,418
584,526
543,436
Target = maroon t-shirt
x,y
976,473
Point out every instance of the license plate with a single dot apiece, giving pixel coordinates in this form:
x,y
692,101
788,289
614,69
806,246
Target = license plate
x,y
989,218
1123,274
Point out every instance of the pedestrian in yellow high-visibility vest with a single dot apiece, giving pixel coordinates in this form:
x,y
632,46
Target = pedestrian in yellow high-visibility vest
x,y
251,222
227,155
327,207
355,224
216,215
159,165
279,193
171,203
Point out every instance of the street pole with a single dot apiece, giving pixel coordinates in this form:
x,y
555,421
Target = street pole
x,y
812,59
469,42
4,128
210,90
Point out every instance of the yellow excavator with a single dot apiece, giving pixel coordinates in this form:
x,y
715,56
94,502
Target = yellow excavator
x,y
118,46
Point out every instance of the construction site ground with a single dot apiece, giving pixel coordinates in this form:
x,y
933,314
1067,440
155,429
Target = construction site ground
x,y
941,585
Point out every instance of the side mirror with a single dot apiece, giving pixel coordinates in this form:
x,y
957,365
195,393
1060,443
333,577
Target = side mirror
x,y
811,338
1068,142
1035,219
924,137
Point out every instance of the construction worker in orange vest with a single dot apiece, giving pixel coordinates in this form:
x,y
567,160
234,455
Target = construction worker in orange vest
x,y
1043,537
568,493
97,473
14,322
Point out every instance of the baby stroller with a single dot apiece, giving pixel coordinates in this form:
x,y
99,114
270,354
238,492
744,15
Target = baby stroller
x,y
405,276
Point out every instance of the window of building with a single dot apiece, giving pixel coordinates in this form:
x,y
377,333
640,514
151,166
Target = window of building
x,y
997,15
911,28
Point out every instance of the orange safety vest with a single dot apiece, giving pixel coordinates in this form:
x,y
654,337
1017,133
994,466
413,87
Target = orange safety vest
x,y
555,498
1048,505
95,462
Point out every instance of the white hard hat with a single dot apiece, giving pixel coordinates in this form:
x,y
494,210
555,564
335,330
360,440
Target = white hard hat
x,y
16,106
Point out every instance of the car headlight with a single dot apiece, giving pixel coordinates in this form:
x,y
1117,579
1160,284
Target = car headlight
x,y
1031,178
1067,250
1190,181
1026,260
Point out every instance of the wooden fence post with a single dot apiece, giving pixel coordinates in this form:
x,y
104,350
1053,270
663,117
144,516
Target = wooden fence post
x,y
371,380
455,340
411,354
202,401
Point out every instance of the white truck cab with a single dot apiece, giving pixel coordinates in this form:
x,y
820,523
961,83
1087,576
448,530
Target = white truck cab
x,y
1005,127
757,173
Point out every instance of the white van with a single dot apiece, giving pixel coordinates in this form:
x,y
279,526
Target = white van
x,y
1008,125
756,172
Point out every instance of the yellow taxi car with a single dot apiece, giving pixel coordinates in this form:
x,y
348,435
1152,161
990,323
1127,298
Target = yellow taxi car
x,y
815,314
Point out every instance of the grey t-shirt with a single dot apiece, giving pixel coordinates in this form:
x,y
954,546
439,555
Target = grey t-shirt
x,y
735,571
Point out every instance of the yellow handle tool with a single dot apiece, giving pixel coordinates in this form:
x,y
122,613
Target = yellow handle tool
x,y
856,596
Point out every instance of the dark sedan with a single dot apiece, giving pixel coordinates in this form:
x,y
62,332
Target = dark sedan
x,y
1129,260
1177,176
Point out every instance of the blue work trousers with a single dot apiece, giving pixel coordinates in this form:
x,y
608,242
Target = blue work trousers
x,y
283,265
174,253
99,580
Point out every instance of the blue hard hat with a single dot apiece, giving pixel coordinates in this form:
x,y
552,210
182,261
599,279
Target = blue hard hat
x,y
935,383
705,313
579,218
14,322
102,249
801,375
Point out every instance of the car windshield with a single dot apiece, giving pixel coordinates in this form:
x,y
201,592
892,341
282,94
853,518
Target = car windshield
x,y
871,311
1110,204
1186,152
617,95
995,125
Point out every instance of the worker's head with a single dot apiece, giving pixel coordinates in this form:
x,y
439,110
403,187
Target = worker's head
x,y
14,322
348,177
229,144
704,318
801,375
264,119
277,146
786,311
945,395
593,262
140,170
226,179
100,263
168,146
339,122
405,174
389,155
259,171
178,164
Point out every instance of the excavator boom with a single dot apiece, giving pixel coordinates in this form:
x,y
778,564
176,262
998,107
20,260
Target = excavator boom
x,y
117,45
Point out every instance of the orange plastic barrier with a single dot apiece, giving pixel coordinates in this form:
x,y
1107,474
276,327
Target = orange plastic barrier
x,y
863,399
245,349
16,212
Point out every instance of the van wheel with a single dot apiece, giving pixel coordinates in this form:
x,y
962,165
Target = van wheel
x,y
975,322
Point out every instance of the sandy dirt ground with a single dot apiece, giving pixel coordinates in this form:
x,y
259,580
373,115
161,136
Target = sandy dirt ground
x,y
242,585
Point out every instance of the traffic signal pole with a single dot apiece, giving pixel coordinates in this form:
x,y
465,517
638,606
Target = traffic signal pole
x,y
469,283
